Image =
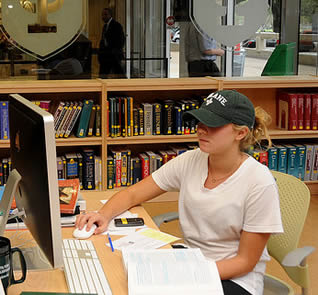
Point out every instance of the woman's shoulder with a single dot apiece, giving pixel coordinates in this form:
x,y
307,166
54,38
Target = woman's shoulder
x,y
258,170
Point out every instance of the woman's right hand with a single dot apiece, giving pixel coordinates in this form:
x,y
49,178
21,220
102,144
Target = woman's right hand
x,y
90,218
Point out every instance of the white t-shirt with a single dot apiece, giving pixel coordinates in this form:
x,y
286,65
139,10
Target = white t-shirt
x,y
212,219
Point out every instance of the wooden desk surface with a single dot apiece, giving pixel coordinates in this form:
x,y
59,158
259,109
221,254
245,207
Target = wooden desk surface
x,y
54,280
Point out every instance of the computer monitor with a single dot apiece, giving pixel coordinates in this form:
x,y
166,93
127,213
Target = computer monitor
x,y
33,179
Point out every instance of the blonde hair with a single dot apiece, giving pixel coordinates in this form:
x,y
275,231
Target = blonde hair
x,y
259,131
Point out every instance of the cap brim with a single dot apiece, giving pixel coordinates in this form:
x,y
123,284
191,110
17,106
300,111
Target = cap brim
x,y
208,118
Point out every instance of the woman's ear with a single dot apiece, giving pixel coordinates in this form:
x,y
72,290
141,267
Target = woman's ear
x,y
242,133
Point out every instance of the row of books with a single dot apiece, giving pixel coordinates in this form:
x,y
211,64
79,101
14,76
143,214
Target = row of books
x,y
125,118
125,169
299,160
85,165
297,111
81,118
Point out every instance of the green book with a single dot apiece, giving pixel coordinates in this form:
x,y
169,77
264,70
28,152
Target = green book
x,y
84,118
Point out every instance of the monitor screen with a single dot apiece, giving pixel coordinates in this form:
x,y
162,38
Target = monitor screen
x,y
33,156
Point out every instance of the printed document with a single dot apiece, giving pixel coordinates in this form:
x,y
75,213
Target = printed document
x,y
147,238
171,271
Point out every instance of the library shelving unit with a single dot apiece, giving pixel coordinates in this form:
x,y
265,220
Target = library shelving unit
x,y
76,90
263,92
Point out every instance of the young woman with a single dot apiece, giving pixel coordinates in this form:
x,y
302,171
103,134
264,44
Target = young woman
x,y
228,202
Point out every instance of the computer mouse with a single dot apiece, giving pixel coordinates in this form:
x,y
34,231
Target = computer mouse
x,y
83,233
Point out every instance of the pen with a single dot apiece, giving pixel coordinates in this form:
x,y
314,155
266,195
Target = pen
x,y
110,242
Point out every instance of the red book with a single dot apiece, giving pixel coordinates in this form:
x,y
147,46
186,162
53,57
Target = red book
x,y
145,167
164,156
68,194
263,158
307,111
300,111
287,111
171,154
314,111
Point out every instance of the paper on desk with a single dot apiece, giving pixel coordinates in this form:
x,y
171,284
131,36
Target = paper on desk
x,y
147,238
121,231
171,271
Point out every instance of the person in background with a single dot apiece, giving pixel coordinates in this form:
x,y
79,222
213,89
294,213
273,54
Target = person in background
x,y
228,201
110,54
201,53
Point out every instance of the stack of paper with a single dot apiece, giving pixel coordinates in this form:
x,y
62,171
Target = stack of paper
x,y
171,271
147,238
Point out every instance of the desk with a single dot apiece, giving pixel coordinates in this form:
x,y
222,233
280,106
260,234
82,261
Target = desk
x,y
54,280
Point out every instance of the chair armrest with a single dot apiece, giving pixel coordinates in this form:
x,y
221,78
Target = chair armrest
x,y
297,257
166,217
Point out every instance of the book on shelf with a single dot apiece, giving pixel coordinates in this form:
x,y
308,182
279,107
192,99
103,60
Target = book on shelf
x,y
300,111
314,166
292,168
84,118
88,169
71,165
300,160
307,111
91,121
282,158
308,161
61,115
98,121
4,120
73,119
61,129
167,117
147,111
68,195
145,167
314,111
110,172
272,158
80,168
156,110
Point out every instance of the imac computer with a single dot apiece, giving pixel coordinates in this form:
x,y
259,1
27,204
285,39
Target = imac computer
x,y
33,179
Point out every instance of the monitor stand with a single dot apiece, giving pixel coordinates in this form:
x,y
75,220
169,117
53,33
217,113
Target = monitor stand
x,y
34,259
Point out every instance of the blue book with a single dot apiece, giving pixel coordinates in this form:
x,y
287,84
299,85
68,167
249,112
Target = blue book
x,y
273,158
282,158
4,120
292,167
71,166
301,160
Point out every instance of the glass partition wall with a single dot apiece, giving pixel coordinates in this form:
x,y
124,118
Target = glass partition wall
x,y
154,49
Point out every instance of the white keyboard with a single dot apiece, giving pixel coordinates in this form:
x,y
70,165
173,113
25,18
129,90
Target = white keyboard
x,y
83,270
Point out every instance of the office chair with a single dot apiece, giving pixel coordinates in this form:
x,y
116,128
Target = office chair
x,y
294,198
281,61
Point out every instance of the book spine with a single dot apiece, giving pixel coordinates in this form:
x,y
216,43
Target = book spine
x,y
314,112
71,166
272,158
131,114
4,133
80,169
137,170
110,172
309,161
98,120
61,130
178,120
314,170
147,110
123,116
156,118
292,168
59,168
88,169
61,117
141,121
84,118
300,161
300,111
128,167
124,165
1,174
5,168
91,121
282,159
168,118
145,169
135,122
57,113
307,111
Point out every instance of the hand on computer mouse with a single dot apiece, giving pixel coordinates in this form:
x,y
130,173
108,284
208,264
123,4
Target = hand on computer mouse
x,y
92,218
83,233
